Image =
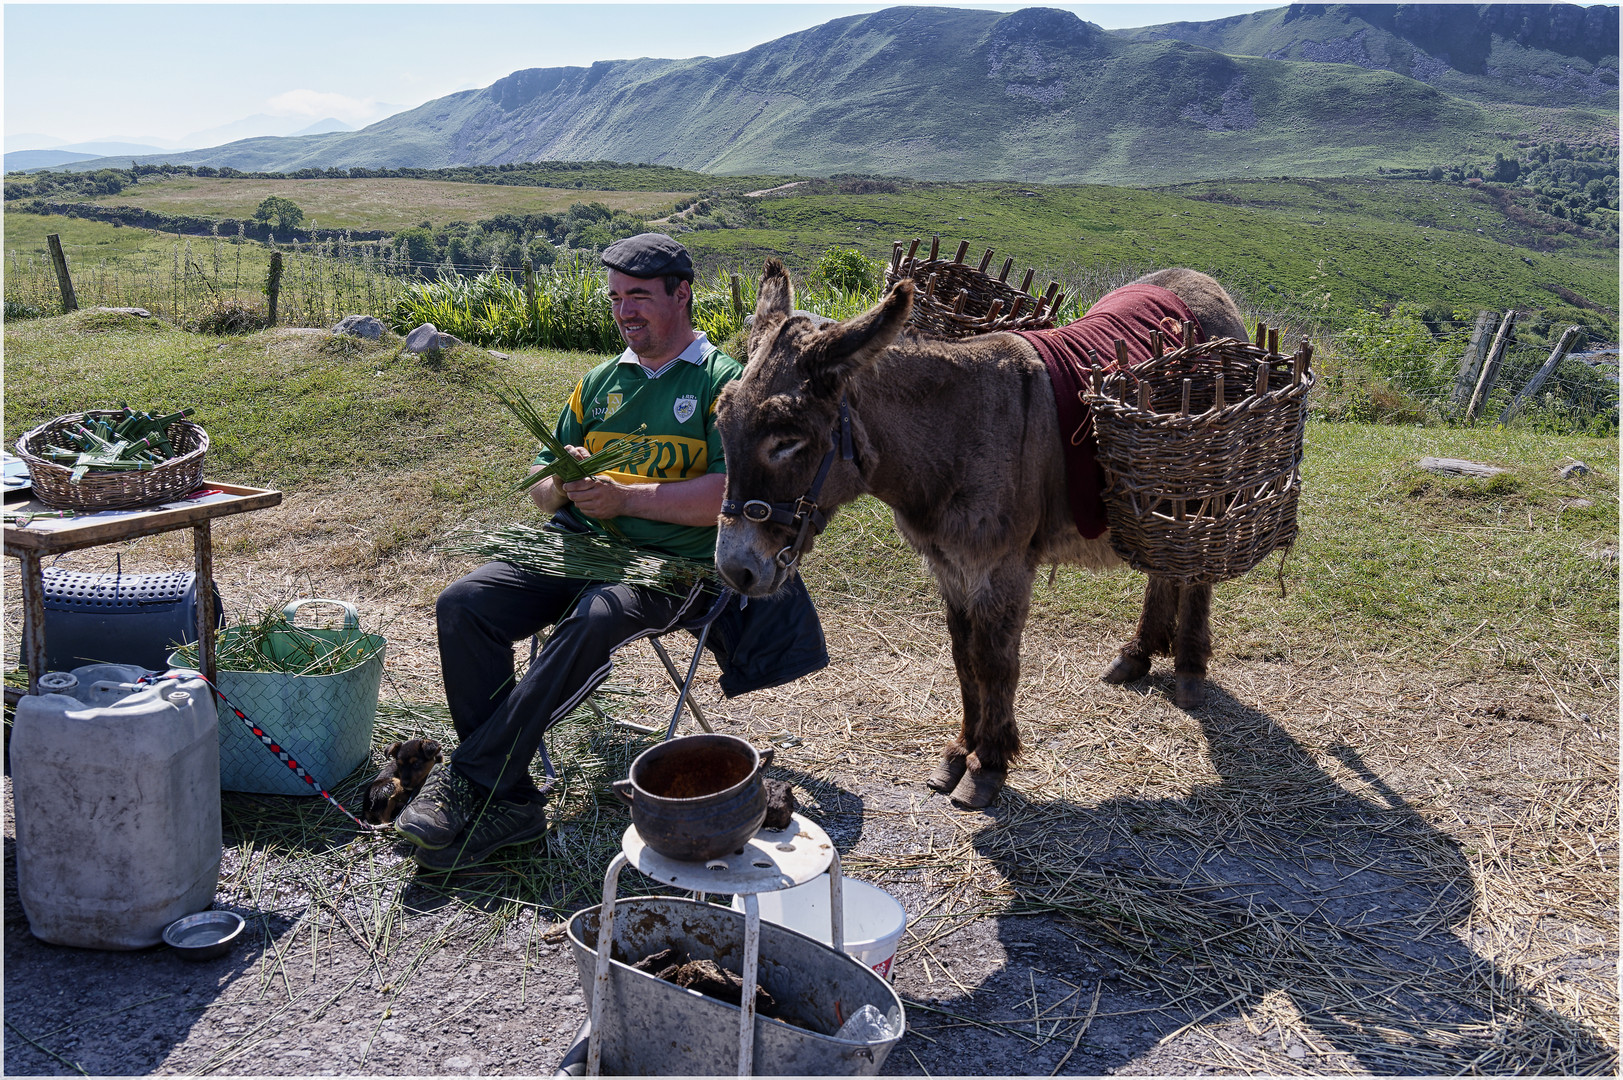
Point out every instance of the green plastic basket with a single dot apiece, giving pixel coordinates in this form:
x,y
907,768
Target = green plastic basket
x,y
323,721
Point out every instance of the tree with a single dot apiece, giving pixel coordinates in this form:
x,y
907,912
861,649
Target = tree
x,y
417,244
846,270
542,251
283,213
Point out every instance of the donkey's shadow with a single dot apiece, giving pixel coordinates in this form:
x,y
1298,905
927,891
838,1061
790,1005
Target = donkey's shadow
x,y
1279,880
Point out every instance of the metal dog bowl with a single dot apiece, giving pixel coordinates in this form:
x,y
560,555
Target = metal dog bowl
x,y
204,936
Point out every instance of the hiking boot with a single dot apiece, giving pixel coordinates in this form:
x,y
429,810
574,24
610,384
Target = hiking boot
x,y
503,823
436,816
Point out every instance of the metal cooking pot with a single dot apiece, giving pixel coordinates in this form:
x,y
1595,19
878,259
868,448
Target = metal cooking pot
x,y
697,797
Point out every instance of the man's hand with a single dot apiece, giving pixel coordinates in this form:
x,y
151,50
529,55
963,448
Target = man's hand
x,y
549,495
680,502
601,497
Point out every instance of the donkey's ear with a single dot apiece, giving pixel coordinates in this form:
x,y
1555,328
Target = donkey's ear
x,y
841,349
774,302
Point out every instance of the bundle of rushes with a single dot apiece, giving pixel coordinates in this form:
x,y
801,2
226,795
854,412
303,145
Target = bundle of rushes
x,y
1201,449
247,648
585,556
127,440
626,450
94,460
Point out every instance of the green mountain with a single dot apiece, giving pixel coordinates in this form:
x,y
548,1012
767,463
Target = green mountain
x,y
1532,54
937,93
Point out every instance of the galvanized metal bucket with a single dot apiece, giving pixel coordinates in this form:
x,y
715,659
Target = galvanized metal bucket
x,y
651,1027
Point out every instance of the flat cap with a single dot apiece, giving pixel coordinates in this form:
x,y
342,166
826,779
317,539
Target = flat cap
x,y
649,255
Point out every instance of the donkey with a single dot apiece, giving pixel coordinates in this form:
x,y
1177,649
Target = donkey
x,y
961,440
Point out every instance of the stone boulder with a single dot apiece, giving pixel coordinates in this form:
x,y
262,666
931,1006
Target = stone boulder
x,y
361,326
427,337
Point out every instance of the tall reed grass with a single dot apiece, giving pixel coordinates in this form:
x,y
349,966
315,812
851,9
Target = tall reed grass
x,y
570,309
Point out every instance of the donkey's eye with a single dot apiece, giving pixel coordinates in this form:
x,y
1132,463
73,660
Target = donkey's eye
x,y
784,449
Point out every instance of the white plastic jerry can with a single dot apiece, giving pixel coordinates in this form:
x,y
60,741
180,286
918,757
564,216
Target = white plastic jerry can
x,y
116,788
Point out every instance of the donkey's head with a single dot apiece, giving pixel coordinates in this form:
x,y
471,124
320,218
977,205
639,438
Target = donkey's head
x,y
789,456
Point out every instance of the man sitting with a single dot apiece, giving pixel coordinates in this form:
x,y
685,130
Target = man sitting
x,y
668,378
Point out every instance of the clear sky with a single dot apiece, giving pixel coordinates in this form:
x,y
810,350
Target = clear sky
x,y
146,72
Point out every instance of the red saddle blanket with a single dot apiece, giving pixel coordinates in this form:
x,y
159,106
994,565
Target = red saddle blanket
x,y
1127,314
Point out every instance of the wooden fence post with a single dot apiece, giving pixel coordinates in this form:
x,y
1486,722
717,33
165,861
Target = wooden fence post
x,y
532,315
63,281
1471,362
1561,349
738,297
273,285
1490,367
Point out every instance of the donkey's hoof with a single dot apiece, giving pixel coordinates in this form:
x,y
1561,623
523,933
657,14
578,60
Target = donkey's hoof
x,y
1125,669
1189,692
978,788
948,771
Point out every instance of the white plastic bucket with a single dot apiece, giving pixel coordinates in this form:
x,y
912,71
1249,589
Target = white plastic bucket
x,y
874,920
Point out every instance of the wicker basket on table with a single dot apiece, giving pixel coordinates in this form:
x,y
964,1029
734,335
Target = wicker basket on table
x,y
1201,449
179,475
955,299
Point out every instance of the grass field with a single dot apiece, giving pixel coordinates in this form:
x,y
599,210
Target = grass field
x,y
86,242
1317,245
377,203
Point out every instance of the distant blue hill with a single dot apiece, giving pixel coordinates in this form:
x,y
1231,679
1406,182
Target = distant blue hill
x,y
108,147
18,160
323,127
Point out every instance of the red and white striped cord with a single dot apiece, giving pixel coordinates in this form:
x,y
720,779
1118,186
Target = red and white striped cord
x,y
269,743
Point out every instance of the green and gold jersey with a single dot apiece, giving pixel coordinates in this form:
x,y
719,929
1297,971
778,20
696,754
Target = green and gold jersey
x,y
679,407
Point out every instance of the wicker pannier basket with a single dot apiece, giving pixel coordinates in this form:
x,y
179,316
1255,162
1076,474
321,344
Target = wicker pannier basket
x,y
180,475
955,299
1201,449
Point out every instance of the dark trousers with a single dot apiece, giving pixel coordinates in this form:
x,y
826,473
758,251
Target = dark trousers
x,y
499,724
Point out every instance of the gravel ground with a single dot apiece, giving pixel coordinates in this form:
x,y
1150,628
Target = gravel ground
x,y
1121,984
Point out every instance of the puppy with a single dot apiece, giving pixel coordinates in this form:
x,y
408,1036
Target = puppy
x,y
414,759
400,778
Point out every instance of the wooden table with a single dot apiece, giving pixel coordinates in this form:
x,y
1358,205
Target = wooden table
x,y
34,541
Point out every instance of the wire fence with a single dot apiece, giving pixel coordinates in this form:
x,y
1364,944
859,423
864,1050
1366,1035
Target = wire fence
x,y
1579,394
565,306
193,277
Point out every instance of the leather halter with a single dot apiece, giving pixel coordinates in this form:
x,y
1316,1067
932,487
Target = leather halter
x,y
803,514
